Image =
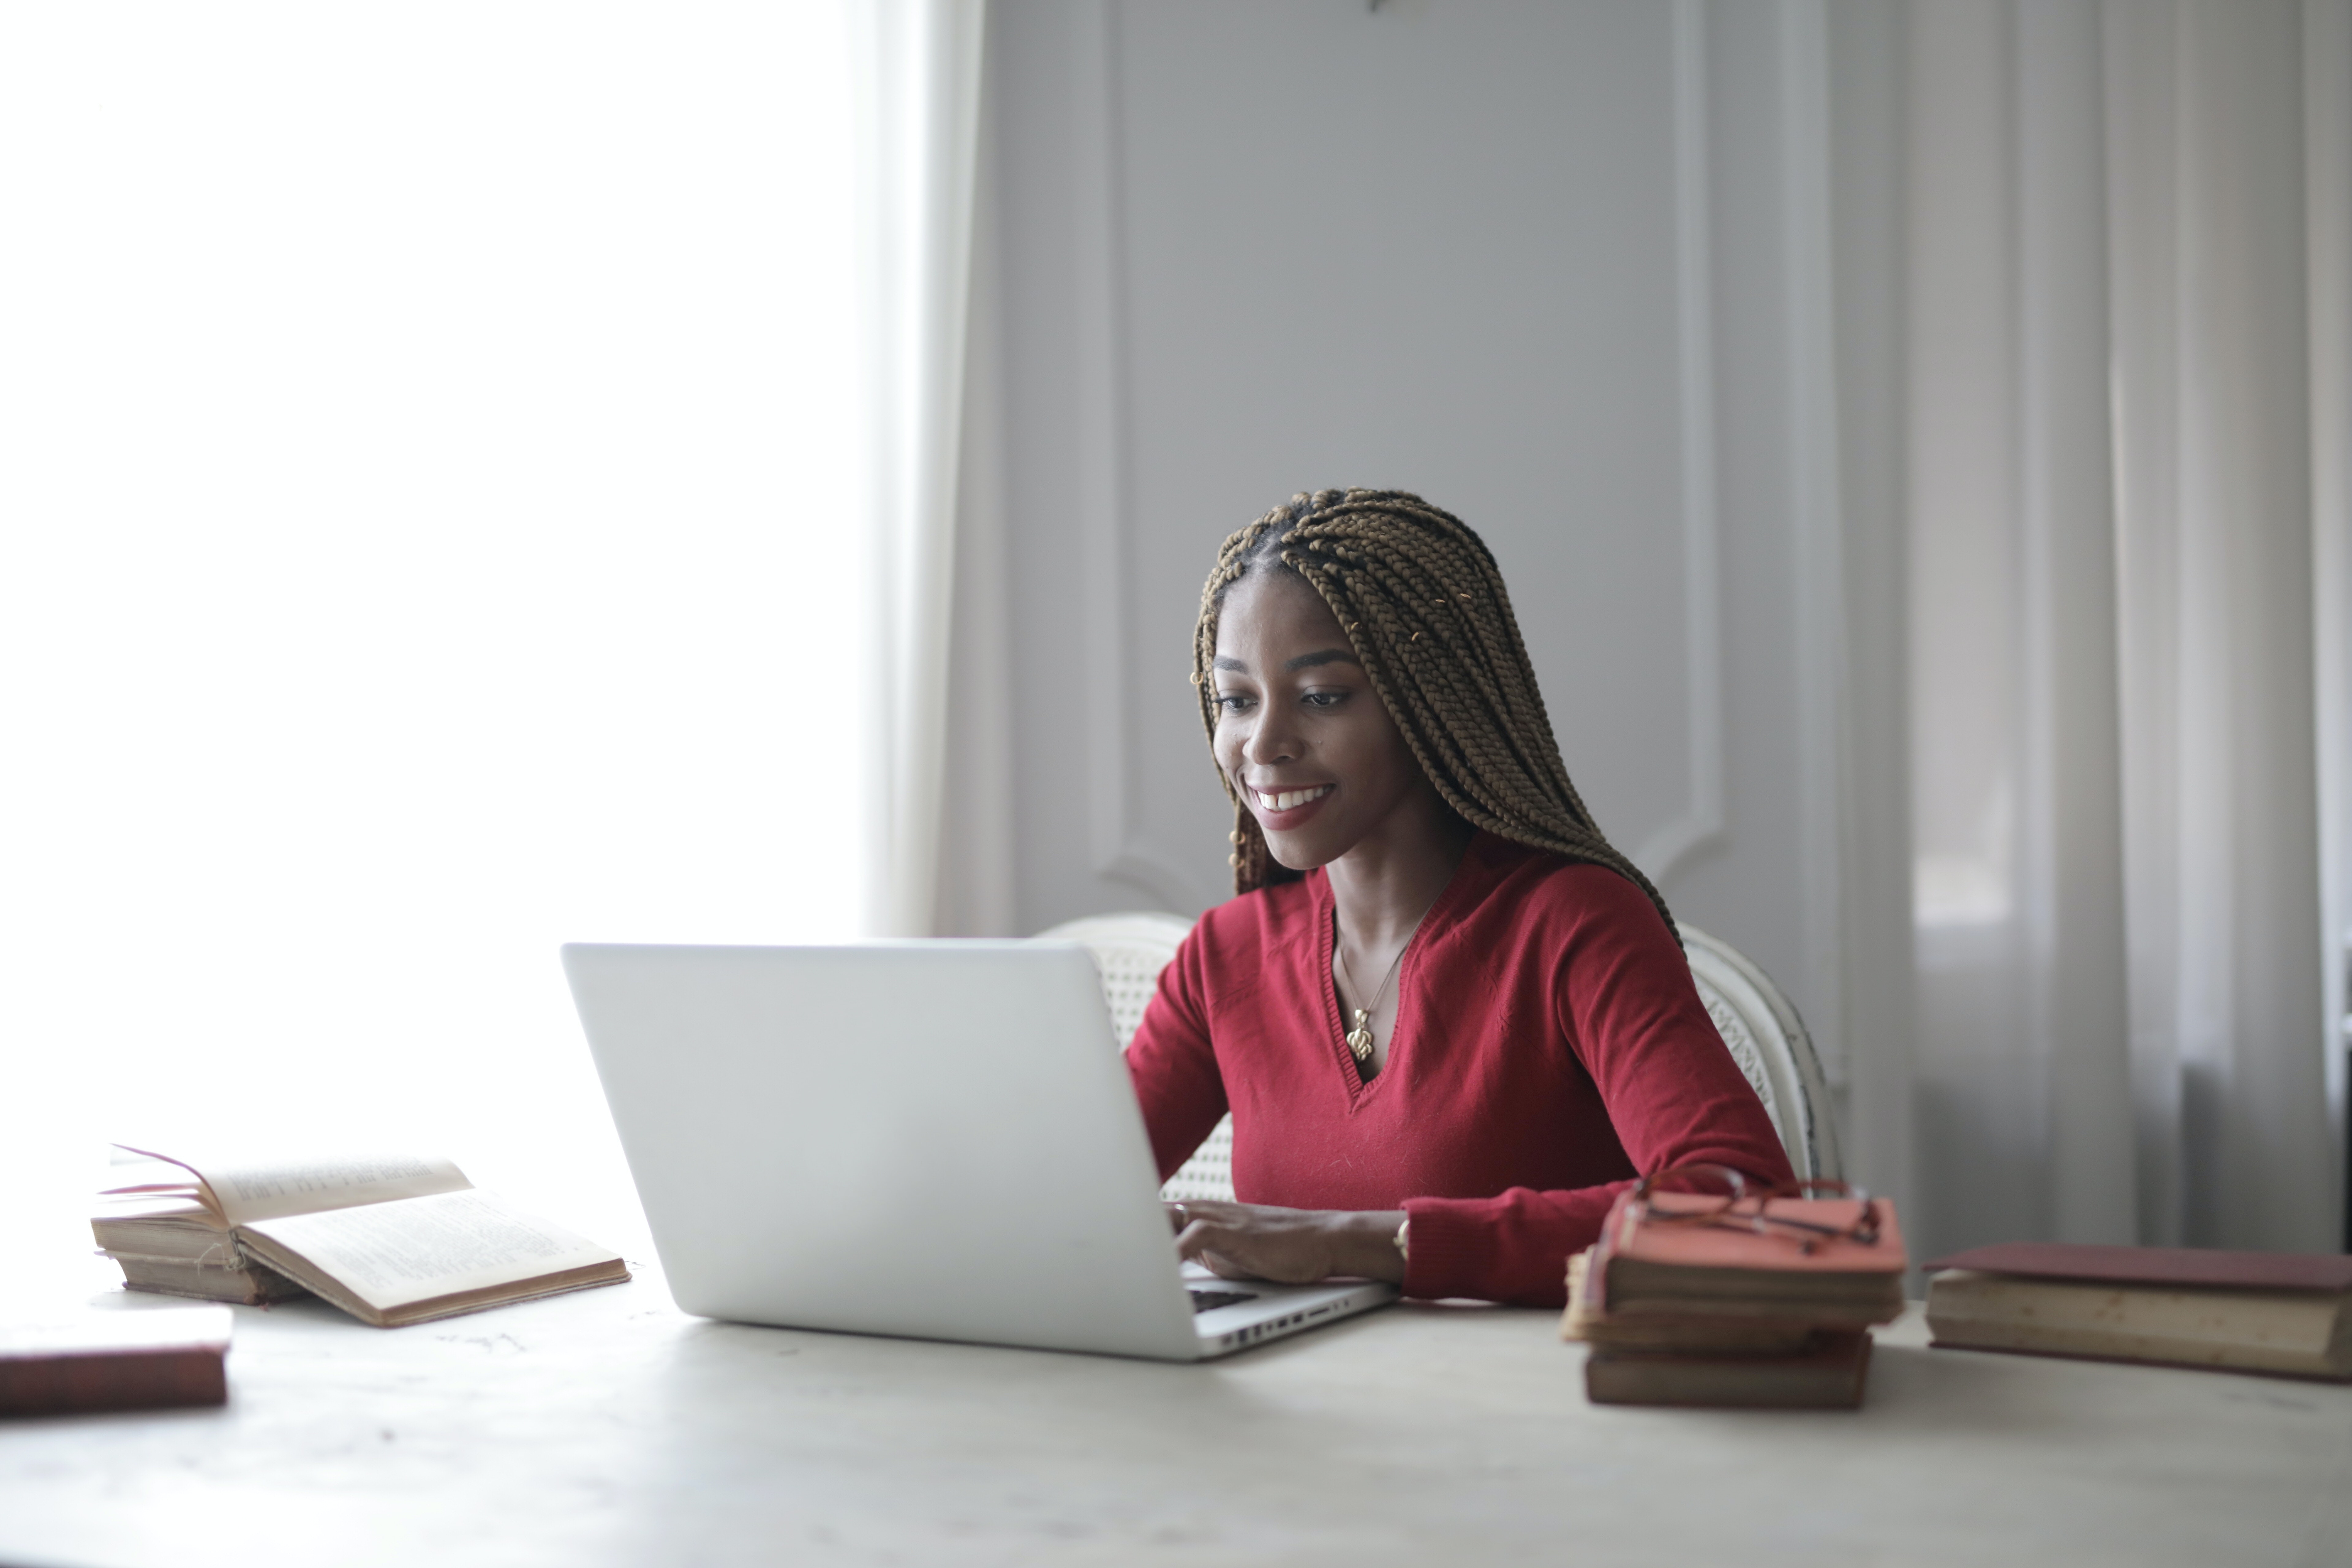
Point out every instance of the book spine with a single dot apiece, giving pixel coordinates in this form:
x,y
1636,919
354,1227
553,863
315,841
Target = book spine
x,y
46,1385
1834,1381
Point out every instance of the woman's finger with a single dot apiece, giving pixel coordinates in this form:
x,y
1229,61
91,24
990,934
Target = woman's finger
x,y
1200,1243
1241,1251
1195,1241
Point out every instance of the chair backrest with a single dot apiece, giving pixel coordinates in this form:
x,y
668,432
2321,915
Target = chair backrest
x,y
1768,1041
1758,1026
1131,950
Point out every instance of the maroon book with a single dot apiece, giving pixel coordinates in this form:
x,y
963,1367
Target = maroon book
x,y
2172,1268
115,1361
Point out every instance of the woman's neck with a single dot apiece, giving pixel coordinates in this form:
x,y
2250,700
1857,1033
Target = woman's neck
x,y
1384,885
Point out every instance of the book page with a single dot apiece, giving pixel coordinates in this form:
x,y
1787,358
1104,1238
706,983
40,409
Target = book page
x,y
129,1172
389,1255
184,1206
243,1189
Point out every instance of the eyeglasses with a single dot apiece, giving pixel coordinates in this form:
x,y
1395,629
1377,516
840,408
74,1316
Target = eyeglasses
x,y
1717,1196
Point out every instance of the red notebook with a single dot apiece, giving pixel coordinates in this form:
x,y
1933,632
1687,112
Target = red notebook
x,y
2178,1267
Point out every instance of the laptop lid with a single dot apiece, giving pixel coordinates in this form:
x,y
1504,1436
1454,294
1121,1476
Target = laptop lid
x,y
934,1139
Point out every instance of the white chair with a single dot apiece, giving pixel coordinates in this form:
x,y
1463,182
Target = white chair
x,y
1768,1041
1131,950
1758,1026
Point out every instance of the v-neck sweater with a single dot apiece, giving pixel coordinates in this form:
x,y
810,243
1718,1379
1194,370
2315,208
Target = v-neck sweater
x,y
1548,1047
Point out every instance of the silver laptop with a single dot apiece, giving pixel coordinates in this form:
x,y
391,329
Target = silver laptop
x,y
930,1139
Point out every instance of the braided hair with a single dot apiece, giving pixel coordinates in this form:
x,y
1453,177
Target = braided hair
x,y
1423,605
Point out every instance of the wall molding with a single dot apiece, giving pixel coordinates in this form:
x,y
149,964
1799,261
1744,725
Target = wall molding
x,y
1816,507
1700,825
1107,502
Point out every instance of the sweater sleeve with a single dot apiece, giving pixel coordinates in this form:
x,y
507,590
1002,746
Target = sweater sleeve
x,y
1625,1003
1172,1065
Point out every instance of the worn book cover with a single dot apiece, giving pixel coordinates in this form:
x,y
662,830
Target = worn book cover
x,y
1583,1322
2180,1268
2282,1313
1830,1374
115,1361
1677,1255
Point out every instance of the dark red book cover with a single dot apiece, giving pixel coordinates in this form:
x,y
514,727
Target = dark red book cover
x,y
2171,1268
116,1361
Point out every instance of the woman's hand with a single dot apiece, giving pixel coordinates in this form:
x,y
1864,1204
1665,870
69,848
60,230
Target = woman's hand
x,y
1288,1246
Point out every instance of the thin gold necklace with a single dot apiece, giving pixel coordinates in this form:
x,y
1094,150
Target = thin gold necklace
x,y
1360,1038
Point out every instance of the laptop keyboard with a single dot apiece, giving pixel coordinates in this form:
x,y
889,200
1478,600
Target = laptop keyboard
x,y
1210,1301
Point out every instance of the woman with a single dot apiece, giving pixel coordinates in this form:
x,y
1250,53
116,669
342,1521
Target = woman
x,y
1451,1022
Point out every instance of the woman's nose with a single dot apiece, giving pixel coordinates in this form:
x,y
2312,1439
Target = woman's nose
x,y
1272,739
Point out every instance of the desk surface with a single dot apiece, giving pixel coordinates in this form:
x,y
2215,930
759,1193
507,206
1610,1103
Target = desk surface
x,y
608,1428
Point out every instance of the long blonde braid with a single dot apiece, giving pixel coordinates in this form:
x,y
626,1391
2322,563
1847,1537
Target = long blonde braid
x,y
1424,608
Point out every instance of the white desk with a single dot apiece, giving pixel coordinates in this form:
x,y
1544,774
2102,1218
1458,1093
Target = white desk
x,y
606,1428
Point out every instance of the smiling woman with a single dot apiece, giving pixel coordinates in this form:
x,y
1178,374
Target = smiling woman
x,y
1450,1021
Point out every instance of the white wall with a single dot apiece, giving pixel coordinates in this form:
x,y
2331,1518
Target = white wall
x,y
1562,269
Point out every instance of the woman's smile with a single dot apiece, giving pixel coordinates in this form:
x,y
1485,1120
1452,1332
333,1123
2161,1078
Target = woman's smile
x,y
1286,805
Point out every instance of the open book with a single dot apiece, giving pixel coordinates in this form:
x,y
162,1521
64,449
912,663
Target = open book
x,y
389,1239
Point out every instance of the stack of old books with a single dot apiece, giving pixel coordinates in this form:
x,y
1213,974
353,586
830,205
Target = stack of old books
x,y
1705,1290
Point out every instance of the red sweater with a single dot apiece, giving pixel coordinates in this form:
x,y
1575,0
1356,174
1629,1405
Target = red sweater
x,y
1548,1047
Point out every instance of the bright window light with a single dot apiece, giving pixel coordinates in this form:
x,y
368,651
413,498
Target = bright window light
x,y
427,481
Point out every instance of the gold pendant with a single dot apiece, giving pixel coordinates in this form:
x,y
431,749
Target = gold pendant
x,y
1360,1038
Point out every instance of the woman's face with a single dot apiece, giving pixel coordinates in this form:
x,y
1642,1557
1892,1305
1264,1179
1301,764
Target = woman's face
x,y
1300,732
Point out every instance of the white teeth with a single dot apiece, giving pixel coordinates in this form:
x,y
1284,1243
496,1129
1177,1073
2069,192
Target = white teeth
x,y
1285,800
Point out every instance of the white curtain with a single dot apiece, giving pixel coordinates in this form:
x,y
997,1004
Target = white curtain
x,y
920,67
2124,390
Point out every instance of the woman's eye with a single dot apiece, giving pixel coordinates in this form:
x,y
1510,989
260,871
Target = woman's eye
x,y
1324,698
1233,702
